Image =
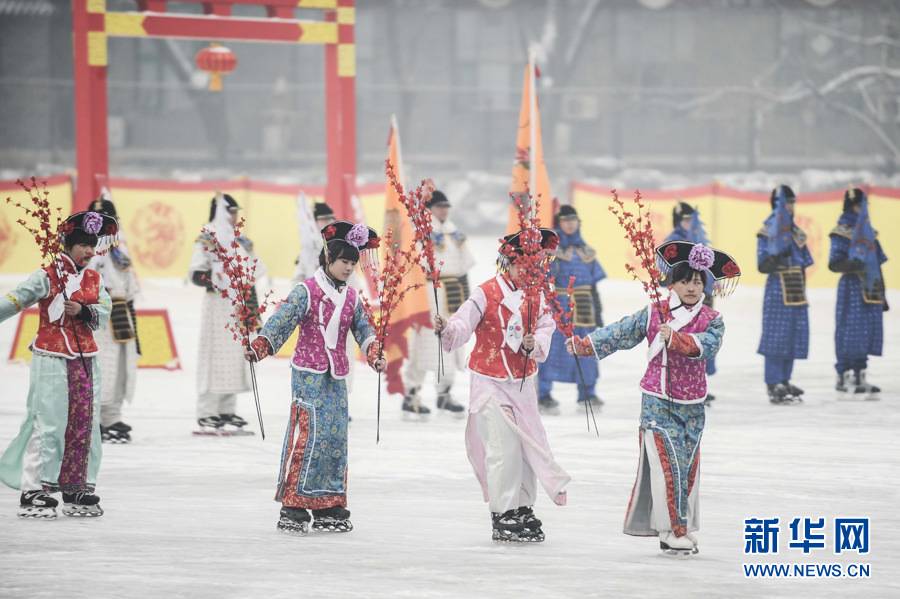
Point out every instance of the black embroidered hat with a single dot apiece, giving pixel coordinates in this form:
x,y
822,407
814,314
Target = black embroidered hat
x,y
720,266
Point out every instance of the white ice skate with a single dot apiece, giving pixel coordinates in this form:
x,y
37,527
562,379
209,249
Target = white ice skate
x,y
81,505
674,546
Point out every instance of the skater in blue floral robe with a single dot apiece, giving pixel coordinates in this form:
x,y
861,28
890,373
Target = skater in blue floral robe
x,y
313,470
782,253
687,226
859,331
573,258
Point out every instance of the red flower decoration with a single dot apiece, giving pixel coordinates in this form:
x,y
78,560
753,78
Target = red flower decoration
x,y
552,243
374,243
671,252
330,232
730,269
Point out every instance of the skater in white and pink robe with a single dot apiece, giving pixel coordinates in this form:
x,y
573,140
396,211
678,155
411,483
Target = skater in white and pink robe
x,y
505,438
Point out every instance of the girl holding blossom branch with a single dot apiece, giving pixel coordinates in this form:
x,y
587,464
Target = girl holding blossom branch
x,y
58,446
682,333
313,471
505,439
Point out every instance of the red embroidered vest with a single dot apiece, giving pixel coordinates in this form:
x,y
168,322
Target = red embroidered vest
x,y
310,353
491,357
59,338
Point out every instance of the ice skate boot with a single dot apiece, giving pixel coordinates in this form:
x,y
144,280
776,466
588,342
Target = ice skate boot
x,y
710,398
293,521
233,425
864,389
117,433
793,389
37,505
531,532
332,519
779,395
446,403
683,546
507,527
413,408
548,406
843,384
81,505
209,426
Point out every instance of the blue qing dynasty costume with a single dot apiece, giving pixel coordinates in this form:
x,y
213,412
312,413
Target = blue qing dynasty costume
x,y
782,253
859,330
573,258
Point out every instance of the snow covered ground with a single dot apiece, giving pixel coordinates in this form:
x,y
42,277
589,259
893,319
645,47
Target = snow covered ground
x,y
194,517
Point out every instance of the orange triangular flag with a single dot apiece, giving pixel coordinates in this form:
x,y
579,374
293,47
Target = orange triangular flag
x,y
529,171
414,310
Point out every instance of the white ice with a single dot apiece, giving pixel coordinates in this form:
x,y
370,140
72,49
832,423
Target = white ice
x,y
194,517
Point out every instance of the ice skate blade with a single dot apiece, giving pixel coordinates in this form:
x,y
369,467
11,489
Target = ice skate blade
x,y
549,411
454,415
413,417
37,513
332,526
290,527
677,553
82,511
222,433
858,396
507,537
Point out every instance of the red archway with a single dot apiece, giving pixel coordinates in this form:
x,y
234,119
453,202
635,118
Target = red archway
x,y
92,25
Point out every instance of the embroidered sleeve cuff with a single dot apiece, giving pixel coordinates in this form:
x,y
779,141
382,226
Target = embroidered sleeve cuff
x,y
583,346
261,347
15,301
684,344
364,347
373,351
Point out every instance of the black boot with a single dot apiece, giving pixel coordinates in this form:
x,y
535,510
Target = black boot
x,y
412,406
293,520
332,519
793,389
81,504
532,526
548,405
506,526
779,395
843,382
861,386
445,402
37,504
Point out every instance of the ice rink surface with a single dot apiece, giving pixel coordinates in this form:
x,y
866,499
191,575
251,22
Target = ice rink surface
x,y
194,517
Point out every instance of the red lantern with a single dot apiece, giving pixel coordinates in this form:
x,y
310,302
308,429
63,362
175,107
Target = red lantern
x,y
217,60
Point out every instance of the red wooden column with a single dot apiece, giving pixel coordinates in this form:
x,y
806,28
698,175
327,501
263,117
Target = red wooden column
x,y
340,110
90,60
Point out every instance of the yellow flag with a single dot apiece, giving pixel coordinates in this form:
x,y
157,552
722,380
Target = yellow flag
x,y
413,311
529,171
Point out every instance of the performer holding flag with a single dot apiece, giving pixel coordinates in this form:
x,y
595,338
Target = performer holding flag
x,y
859,328
313,471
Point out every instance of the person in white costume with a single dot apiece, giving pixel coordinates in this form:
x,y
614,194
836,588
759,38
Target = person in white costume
x,y
118,338
450,248
222,371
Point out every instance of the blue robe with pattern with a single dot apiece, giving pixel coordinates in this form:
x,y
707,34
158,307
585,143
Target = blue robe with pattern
x,y
323,398
785,331
859,328
560,366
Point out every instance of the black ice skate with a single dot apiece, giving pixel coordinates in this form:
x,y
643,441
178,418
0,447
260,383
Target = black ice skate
x,y
863,389
548,405
507,527
81,505
843,384
412,407
293,521
710,398
37,504
116,433
673,546
793,389
446,403
233,425
332,519
531,532
780,396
